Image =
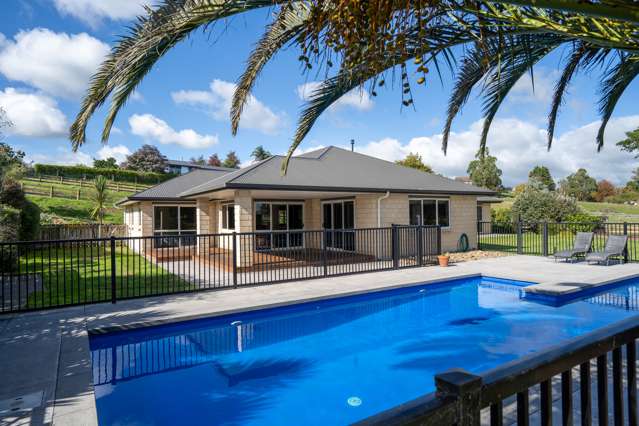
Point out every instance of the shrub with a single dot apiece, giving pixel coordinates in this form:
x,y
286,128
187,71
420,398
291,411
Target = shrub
x,y
11,193
534,205
503,219
584,222
9,230
121,175
29,222
623,197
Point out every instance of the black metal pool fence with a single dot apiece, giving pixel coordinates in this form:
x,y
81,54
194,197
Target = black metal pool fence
x,y
546,238
50,274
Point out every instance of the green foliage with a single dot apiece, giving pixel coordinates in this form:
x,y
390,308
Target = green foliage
x,y
483,171
415,161
100,197
11,193
80,172
198,160
586,222
503,218
9,231
542,175
232,160
579,185
624,197
29,221
147,159
10,157
633,183
259,153
631,143
534,205
108,163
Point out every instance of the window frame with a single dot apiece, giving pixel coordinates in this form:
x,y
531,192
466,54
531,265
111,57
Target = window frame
x,y
226,208
437,201
288,229
179,215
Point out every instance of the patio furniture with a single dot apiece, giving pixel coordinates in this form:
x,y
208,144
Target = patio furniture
x,y
615,247
581,246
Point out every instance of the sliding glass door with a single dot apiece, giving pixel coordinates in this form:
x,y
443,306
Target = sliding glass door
x,y
279,216
339,219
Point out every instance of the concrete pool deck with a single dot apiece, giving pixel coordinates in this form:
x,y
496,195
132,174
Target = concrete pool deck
x,y
45,359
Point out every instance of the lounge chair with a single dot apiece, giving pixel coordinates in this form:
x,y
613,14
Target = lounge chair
x,y
581,246
615,247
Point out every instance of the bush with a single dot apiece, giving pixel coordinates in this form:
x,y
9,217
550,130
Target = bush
x,y
503,219
623,197
9,231
585,222
11,193
121,175
29,222
534,205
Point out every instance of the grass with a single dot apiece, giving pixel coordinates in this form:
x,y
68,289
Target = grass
x,y
62,210
613,212
82,274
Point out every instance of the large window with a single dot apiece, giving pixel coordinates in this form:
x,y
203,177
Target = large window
x,y
176,223
339,218
429,212
279,216
228,216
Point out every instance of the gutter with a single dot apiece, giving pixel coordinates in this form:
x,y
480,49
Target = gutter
x,y
379,208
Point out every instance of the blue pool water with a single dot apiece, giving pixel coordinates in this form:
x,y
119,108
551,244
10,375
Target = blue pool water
x,y
330,362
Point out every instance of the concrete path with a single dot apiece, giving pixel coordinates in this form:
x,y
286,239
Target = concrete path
x,y
45,361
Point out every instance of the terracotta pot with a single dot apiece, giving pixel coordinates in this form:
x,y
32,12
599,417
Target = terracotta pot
x,y
443,260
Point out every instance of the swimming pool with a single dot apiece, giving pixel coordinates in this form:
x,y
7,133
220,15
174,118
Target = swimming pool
x,y
334,361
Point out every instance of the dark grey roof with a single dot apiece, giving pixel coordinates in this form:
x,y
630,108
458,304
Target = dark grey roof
x,y
336,169
171,189
197,166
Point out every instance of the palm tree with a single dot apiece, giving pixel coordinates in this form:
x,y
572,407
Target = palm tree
x,y
100,198
491,44
259,153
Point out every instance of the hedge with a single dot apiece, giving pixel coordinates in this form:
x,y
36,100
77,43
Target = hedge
x,y
120,175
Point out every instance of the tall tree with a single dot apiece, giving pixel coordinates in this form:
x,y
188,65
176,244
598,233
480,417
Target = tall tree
x,y
100,199
259,153
483,171
232,160
198,160
633,183
631,143
10,157
214,161
542,175
579,185
107,163
495,44
146,159
604,189
415,161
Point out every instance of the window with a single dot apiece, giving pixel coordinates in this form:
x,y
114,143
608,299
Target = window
x,y
279,216
339,218
228,216
176,223
429,212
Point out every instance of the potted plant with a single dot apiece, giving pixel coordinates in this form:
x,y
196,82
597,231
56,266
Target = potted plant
x,y
443,259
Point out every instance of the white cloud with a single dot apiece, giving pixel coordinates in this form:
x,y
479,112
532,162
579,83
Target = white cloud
x,y
58,63
119,152
93,12
33,114
218,101
519,146
63,156
150,127
357,98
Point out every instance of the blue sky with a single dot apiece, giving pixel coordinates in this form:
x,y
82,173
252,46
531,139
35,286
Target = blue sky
x,y
49,48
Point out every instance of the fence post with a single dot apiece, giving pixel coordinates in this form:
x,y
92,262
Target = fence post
x,y
324,251
439,239
235,259
420,248
51,192
479,226
394,248
625,252
520,238
465,388
544,240
113,271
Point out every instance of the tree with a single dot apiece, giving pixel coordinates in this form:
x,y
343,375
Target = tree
x,y
214,161
260,153
107,163
534,205
415,161
604,189
9,157
146,159
495,44
231,161
99,198
199,160
633,183
631,143
542,175
483,171
579,185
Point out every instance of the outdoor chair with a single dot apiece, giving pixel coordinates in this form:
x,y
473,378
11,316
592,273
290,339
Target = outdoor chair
x,y
615,247
581,246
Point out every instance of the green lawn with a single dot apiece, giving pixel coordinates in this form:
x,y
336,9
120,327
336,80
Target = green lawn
x,y
61,210
615,213
81,273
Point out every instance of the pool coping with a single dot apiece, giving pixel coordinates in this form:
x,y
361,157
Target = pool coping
x,y
74,368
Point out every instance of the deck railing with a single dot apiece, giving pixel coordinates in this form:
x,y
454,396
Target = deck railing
x,y
464,399
50,274
546,238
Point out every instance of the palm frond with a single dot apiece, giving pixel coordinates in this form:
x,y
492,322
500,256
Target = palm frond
x,y
613,86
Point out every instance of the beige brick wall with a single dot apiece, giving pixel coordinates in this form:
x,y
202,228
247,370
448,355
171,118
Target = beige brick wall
x,y
203,220
244,223
463,219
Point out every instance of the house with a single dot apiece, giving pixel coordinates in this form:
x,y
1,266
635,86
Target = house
x,y
178,167
330,188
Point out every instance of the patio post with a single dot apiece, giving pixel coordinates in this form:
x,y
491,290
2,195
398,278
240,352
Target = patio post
x,y
465,388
